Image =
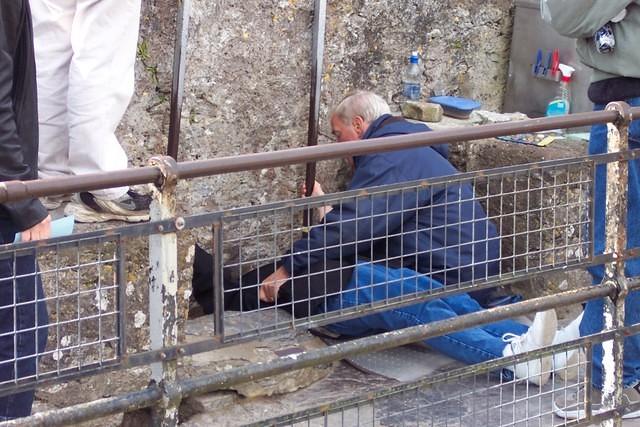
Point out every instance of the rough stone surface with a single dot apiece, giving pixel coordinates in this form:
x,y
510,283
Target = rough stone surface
x,y
557,225
422,111
248,76
249,353
213,402
483,117
344,382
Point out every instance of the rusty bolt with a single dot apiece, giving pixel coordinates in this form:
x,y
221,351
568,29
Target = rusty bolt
x,y
182,351
163,356
180,223
160,228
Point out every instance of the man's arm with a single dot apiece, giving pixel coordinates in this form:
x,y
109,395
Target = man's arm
x,y
28,215
582,18
350,227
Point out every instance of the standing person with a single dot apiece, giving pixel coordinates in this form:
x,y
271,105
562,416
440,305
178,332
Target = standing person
x,y
23,313
85,56
616,77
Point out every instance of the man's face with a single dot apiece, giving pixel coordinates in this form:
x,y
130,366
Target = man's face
x,y
345,132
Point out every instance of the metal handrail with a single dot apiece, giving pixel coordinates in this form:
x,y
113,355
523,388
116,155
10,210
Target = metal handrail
x,y
17,190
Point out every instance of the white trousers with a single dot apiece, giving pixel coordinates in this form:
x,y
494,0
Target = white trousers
x,y
85,56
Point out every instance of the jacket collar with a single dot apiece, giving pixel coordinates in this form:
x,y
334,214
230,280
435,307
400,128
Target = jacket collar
x,y
376,125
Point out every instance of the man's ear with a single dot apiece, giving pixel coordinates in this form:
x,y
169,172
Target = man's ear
x,y
359,125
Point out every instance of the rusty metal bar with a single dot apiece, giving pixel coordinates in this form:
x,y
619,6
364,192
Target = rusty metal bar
x,y
177,85
194,169
146,398
317,50
122,297
163,293
18,190
90,410
218,286
616,242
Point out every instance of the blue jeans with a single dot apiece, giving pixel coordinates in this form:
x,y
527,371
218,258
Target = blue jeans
x,y
592,321
23,315
372,282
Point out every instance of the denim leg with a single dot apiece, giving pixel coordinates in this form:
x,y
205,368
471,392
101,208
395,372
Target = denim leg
x,y
464,304
469,346
23,314
592,321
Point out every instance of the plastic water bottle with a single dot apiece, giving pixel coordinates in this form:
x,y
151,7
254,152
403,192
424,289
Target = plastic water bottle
x,y
411,78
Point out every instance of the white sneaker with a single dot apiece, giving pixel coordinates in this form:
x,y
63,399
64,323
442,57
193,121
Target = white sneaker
x,y
540,334
132,207
565,363
51,203
572,406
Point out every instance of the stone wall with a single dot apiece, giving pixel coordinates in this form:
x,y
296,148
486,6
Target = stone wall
x,y
248,77
247,83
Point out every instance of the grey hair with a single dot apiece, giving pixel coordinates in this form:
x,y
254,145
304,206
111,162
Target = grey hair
x,y
362,103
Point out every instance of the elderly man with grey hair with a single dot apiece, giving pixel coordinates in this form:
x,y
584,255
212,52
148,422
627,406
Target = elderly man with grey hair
x,y
391,245
440,244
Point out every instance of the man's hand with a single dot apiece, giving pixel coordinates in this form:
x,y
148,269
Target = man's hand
x,y
270,285
41,230
317,190
321,211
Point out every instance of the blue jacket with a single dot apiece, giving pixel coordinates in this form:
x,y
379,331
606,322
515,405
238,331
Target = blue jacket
x,y
438,229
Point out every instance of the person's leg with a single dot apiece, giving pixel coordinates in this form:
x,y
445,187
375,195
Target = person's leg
x,y
101,79
23,329
52,21
592,321
101,82
373,283
465,304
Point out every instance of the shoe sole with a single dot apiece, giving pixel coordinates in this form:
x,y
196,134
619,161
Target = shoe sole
x,y
53,203
574,414
85,215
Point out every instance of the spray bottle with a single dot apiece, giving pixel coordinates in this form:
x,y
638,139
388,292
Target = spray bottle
x,y
561,104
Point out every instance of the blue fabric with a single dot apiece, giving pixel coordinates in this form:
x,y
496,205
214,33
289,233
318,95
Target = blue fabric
x,y
373,282
592,321
27,323
441,230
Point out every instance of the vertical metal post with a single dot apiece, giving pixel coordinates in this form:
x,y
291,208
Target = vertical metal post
x,y
317,52
218,286
616,242
177,84
163,291
121,277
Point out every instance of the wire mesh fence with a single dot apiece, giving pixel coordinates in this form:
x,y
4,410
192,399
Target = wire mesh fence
x,y
461,232
64,301
482,395
372,250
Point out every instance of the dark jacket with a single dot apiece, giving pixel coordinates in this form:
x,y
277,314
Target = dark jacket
x,y
18,111
430,229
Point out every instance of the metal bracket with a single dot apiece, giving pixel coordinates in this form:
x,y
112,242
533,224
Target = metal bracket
x,y
624,113
169,169
621,289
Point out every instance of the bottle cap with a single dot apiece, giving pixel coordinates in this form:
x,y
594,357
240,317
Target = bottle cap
x,y
414,58
567,71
